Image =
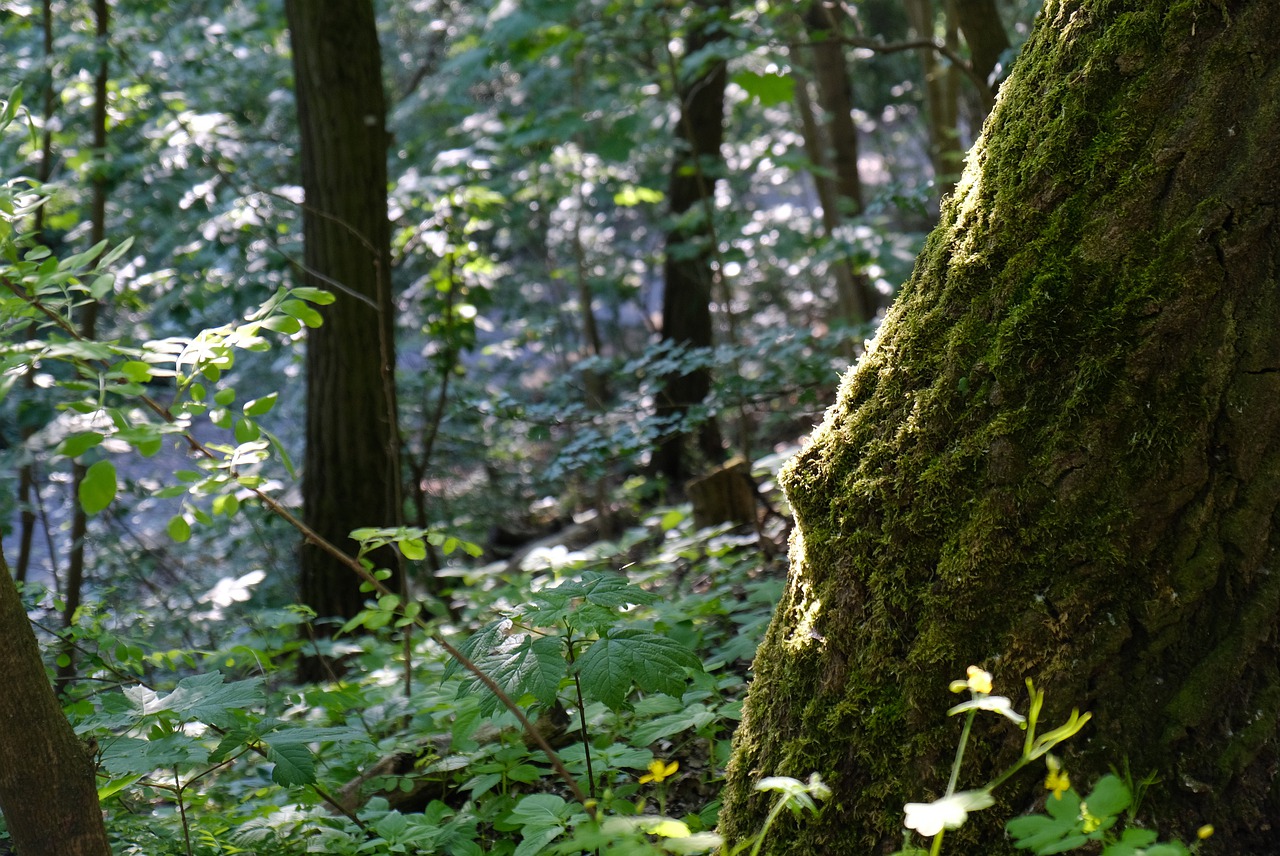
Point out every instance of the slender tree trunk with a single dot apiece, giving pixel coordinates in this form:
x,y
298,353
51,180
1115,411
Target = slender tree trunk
x,y
89,330
984,33
28,483
48,792
687,269
832,145
351,470
1060,460
941,87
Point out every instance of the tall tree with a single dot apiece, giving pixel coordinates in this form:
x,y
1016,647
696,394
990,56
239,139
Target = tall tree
x,y
48,793
351,471
688,271
88,329
941,90
831,142
1060,460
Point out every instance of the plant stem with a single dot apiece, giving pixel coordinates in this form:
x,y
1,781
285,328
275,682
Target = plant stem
x,y
955,766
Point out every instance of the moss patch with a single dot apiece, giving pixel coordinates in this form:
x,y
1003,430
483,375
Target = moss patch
x,y
1041,467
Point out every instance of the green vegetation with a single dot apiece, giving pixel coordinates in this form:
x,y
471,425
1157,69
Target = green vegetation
x,y
623,255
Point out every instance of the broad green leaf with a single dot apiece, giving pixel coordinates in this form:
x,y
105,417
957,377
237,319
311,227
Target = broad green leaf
x,y
1109,798
318,296
522,664
769,89
205,698
539,811
115,786
102,285
261,406
179,529
283,324
652,662
414,549
246,431
304,313
534,841
295,765
694,718
78,444
135,370
98,487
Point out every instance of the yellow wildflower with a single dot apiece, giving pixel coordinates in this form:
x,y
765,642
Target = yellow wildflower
x,y
659,771
979,681
1091,822
1057,781
1205,831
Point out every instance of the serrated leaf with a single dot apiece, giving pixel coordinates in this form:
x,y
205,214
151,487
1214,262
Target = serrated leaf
x,y
98,487
654,663
521,664
206,698
295,765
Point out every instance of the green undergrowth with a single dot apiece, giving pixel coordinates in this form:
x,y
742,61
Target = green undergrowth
x,y
630,656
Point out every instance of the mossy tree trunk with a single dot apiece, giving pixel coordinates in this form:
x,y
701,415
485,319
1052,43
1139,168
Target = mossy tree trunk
x,y
1061,460
351,471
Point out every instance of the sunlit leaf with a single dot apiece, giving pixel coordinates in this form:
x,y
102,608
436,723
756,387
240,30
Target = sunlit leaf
x,y
98,487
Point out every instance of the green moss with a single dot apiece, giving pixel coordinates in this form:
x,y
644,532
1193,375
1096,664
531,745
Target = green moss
x,y
1020,473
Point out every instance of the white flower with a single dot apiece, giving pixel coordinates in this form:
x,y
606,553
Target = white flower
x,y
998,703
951,812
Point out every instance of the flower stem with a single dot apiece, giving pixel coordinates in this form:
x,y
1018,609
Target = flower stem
x,y
955,766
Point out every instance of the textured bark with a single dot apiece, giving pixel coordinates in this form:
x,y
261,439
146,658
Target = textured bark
x,y
48,792
832,145
350,475
942,94
1061,460
984,33
687,271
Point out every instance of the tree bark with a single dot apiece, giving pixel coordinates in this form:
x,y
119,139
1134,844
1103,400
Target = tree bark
x,y
351,470
687,269
832,145
984,33
48,792
942,92
1060,459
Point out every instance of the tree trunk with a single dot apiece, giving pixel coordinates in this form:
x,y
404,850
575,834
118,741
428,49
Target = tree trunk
x,y
89,331
1060,460
351,471
686,301
941,89
984,33
48,793
832,145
